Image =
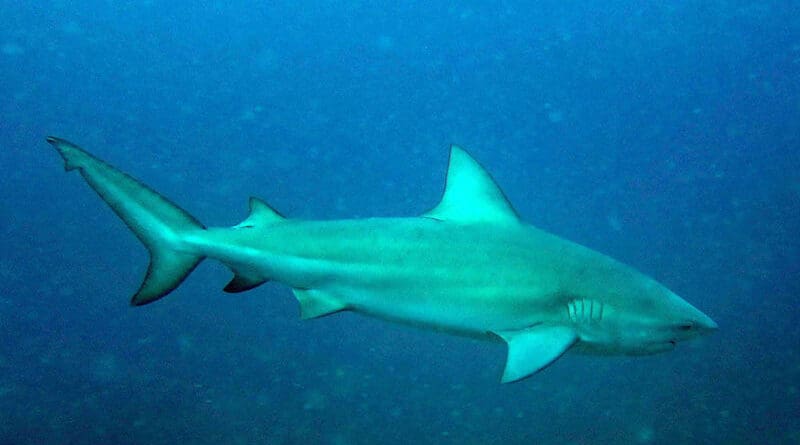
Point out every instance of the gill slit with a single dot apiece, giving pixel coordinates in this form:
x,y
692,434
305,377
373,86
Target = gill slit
x,y
587,313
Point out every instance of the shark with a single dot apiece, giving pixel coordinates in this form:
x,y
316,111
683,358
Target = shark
x,y
469,266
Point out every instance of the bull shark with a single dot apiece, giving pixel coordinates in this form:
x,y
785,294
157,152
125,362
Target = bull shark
x,y
467,267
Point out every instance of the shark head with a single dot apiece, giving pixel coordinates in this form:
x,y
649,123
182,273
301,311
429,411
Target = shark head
x,y
673,321
652,320
643,317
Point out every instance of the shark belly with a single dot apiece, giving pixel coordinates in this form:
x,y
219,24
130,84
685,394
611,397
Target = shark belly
x,y
463,279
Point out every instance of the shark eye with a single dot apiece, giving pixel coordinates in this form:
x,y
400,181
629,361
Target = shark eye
x,y
685,327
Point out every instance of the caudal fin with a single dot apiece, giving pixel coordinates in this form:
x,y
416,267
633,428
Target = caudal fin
x,y
161,225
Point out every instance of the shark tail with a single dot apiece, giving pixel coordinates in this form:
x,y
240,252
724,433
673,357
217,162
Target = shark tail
x,y
159,224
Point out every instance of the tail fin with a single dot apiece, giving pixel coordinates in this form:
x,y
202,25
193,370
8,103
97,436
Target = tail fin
x,y
157,222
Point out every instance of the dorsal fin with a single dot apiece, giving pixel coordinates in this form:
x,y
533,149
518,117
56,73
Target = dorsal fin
x,y
471,195
260,214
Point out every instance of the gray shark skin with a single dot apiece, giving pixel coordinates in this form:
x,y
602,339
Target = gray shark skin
x,y
469,267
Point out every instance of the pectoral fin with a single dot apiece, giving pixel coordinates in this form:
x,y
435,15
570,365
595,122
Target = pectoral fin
x,y
532,349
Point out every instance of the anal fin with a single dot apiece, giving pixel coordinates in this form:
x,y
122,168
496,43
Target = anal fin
x,y
316,303
242,282
533,349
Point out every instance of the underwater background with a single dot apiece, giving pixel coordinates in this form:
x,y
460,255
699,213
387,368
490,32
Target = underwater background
x,y
665,134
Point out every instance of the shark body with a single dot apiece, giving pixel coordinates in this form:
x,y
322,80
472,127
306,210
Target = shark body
x,y
469,266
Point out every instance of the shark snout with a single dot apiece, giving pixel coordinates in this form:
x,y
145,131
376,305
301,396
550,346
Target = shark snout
x,y
698,324
695,320
705,323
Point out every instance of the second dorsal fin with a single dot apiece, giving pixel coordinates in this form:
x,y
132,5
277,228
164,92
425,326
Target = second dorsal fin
x,y
260,214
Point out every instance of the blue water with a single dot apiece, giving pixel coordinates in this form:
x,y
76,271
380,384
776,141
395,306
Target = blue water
x,y
666,134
